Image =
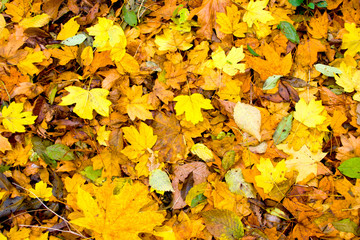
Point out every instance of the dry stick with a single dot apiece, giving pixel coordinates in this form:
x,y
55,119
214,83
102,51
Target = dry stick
x,y
68,224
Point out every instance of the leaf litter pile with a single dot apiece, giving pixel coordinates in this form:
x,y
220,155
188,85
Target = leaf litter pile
x,y
204,119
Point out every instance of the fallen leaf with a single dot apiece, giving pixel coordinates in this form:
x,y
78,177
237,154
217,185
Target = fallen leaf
x,y
14,119
87,101
248,119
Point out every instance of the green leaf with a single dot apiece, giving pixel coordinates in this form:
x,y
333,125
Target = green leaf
x,y
296,3
322,4
91,174
130,17
237,184
39,146
223,224
160,182
252,51
346,225
351,167
327,70
271,82
60,152
75,40
311,5
289,31
283,129
193,197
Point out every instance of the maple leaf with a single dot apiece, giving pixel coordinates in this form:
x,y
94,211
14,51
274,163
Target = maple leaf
x,y
206,16
350,40
26,66
303,161
309,114
65,55
107,35
255,13
229,64
136,104
349,79
69,29
318,26
172,40
41,191
273,65
125,214
14,119
230,22
140,141
87,101
270,176
191,106
103,136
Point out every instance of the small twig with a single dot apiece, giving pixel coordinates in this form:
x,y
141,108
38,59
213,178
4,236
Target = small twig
x,y
68,224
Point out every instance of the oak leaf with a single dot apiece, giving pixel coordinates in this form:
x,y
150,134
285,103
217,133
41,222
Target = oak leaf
x,y
172,40
191,106
270,175
229,64
125,214
309,114
14,119
255,13
87,101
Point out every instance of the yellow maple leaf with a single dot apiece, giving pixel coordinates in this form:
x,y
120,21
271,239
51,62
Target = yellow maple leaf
x,y
349,79
350,40
107,35
18,10
173,40
229,64
191,106
41,191
14,119
69,29
270,175
103,136
125,214
26,66
87,101
303,161
140,141
255,13
230,22
65,55
136,104
309,114
36,21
